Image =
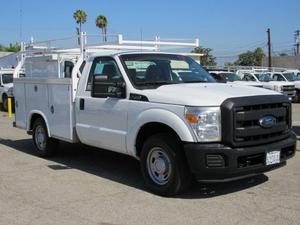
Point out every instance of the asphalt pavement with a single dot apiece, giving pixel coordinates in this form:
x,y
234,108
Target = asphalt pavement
x,y
83,185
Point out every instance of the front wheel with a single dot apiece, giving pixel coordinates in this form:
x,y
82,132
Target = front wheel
x,y
44,145
297,97
164,166
5,103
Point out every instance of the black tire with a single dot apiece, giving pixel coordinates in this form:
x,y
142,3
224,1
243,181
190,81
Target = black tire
x,y
179,178
297,97
44,146
4,103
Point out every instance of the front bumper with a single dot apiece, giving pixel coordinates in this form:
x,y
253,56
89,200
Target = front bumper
x,y
290,94
217,162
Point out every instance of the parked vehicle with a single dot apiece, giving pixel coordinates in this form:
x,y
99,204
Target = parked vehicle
x,y
290,77
227,76
295,72
285,88
6,87
163,109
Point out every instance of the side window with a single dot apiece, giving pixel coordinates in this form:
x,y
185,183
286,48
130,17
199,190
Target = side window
x,y
105,67
248,77
280,78
217,77
82,66
68,69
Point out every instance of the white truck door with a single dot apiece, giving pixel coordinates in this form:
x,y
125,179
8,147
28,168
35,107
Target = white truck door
x,y
102,122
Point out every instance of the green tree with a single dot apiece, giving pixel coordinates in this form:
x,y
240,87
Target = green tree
x,y
207,59
80,17
259,55
11,48
101,22
251,58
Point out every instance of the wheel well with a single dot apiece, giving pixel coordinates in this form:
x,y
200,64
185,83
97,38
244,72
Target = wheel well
x,y
4,95
149,130
34,117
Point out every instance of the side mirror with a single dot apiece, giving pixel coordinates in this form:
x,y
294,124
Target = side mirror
x,y
102,88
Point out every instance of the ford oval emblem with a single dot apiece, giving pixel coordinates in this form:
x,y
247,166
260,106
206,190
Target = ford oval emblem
x,y
267,121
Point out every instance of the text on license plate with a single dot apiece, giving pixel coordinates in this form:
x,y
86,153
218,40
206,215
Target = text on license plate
x,y
273,158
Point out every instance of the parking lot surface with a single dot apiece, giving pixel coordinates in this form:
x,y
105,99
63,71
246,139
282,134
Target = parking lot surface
x,y
83,185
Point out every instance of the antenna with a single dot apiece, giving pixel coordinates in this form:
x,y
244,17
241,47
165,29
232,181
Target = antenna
x,y
21,21
141,39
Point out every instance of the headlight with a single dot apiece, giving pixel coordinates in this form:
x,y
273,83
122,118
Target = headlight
x,y
277,88
10,92
205,121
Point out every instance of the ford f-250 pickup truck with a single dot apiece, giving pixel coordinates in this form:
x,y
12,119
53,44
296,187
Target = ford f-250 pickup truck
x,y
163,109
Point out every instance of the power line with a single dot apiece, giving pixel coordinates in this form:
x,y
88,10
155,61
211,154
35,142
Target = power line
x,y
250,45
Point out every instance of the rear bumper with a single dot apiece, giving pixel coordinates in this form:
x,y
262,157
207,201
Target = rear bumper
x,y
217,162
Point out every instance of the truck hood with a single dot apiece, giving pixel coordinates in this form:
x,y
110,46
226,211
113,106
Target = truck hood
x,y
249,83
9,85
279,83
297,84
206,94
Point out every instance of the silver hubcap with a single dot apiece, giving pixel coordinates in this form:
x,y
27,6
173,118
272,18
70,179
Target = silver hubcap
x,y
40,138
159,166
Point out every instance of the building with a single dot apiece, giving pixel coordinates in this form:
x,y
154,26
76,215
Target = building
x,y
292,62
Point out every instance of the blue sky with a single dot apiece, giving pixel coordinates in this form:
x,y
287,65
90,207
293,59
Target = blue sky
x,y
227,26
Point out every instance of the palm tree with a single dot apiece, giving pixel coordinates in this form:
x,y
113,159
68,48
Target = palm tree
x,y
102,22
80,18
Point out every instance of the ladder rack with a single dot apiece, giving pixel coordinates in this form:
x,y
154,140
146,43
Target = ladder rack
x,y
44,47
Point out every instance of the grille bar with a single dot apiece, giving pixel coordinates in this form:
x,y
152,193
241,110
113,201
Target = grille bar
x,y
252,115
258,130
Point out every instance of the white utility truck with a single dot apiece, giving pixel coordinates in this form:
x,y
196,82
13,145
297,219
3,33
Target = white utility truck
x,y
290,77
163,109
6,87
265,78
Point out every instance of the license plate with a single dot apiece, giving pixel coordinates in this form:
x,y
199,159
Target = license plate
x,y
273,158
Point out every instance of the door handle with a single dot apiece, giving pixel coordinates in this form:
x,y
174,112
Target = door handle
x,y
81,104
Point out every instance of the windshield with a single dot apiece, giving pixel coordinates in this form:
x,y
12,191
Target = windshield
x,y
7,78
264,77
153,70
232,77
290,76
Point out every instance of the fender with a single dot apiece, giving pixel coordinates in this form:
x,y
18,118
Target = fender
x,y
30,114
160,116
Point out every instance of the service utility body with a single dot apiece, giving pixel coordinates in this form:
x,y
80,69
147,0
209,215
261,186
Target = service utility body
x,y
163,109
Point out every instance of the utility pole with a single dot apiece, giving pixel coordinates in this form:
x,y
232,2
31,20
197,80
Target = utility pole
x,y
297,41
269,49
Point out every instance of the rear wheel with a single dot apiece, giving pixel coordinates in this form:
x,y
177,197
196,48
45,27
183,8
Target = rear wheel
x,y
164,166
44,145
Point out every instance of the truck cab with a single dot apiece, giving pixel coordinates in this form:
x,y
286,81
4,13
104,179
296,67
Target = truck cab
x,y
163,109
6,87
